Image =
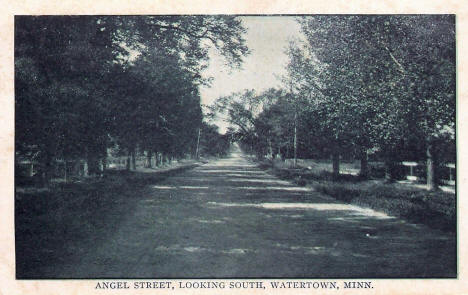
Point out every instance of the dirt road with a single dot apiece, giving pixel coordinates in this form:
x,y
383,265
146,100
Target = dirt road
x,y
229,219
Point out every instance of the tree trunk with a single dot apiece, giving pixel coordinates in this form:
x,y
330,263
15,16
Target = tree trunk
x,y
364,173
295,139
85,169
149,158
128,160
65,168
270,149
430,176
336,164
154,159
197,152
104,163
390,169
133,160
93,164
48,170
31,170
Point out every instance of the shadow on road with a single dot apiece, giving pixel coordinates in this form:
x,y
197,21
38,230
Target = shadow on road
x,y
229,219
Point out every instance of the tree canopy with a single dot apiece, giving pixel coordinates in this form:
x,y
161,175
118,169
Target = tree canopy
x,y
84,83
359,85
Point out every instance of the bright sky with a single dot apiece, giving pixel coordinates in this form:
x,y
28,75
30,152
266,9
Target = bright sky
x,y
267,38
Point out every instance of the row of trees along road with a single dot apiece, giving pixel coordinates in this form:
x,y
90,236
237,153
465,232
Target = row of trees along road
x,y
87,83
359,84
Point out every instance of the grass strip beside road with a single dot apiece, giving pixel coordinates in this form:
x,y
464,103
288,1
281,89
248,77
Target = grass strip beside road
x,y
435,209
54,225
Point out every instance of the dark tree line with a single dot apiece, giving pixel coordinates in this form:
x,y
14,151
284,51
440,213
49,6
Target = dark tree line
x,y
87,83
359,85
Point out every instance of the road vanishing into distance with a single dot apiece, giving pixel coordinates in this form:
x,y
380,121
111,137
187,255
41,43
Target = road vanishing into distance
x,y
230,219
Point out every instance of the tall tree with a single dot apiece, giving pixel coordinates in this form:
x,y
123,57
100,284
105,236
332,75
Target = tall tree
x,y
375,78
75,76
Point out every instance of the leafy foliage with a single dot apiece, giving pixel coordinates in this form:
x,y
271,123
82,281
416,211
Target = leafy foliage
x,y
357,85
377,82
84,83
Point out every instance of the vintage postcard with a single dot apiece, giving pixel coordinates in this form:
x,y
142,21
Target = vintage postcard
x,y
221,148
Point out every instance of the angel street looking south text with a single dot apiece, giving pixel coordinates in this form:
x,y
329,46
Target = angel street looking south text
x,y
231,285
199,147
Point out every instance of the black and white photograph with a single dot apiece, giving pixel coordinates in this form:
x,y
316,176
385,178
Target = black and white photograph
x,y
226,146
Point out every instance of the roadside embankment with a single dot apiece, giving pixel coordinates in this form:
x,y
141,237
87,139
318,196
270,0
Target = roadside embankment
x,y
436,209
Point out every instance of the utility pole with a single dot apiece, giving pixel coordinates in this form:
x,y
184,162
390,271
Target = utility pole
x,y
198,144
295,125
295,137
